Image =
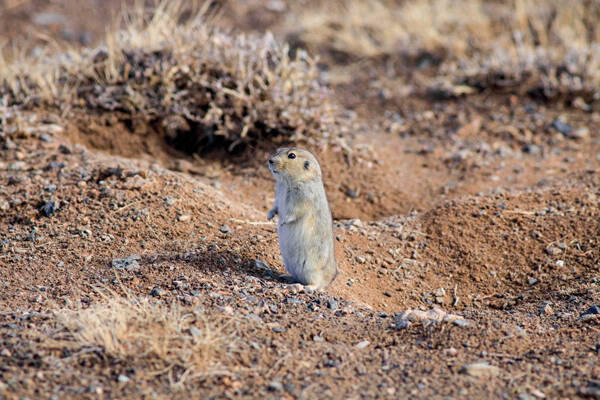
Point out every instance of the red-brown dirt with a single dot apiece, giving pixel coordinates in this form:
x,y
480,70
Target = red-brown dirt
x,y
473,204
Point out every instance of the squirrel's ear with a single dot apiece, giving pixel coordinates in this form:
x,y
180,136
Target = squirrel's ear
x,y
306,164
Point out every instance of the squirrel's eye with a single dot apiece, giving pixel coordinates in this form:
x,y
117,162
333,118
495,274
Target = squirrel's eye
x,y
292,155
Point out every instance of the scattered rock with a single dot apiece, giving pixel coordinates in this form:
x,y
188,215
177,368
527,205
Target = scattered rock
x,y
451,352
562,126
64,149
591,313
580,133
537,393
532,149
128,264
4,205
480,370
595,309
156,292
44,137
552,251
123,379
225,229
352,193
333,304
546,309
462,323
48,208
362,345
17,166
275,386
402,324
260,264
434,315
532,281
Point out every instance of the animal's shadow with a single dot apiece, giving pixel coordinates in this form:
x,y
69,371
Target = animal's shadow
x,y
215,261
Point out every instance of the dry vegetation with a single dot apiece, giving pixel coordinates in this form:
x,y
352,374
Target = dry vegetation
x,y
547,49
195,83
182,344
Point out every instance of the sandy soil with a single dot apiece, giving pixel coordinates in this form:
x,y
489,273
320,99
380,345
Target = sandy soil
x,y
476,205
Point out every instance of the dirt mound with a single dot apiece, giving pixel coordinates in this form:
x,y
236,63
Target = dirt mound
x,y
504,246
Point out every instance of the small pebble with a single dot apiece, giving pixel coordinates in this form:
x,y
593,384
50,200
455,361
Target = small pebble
x,y
17,166
64,149
580,133
451,351
260,264
593,310
225,229
402,324
562,126
532,281
48,208
4,205
352,193
123,379
333,304
362,345
275,386
546,309
531,149
129,264
461,322
480,370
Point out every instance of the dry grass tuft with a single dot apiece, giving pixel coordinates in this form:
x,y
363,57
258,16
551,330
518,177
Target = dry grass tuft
x,y
197,85
165,340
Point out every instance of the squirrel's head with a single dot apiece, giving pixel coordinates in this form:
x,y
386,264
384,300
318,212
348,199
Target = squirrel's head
x,y
294,165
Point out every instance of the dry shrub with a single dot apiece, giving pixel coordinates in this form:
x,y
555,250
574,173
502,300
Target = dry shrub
x,y
554,53
363,28
549,49
195,83
165,340
539,73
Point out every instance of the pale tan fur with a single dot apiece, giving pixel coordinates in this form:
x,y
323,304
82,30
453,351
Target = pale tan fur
x,y
305,226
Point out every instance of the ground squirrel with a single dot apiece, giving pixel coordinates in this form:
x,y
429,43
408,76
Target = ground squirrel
x,y
305,226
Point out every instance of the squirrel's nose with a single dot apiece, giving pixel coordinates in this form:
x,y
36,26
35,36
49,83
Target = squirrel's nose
x,y
271,161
